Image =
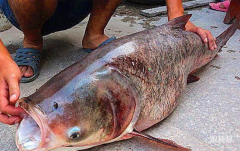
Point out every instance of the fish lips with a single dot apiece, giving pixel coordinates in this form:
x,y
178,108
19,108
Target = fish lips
x,y
34,117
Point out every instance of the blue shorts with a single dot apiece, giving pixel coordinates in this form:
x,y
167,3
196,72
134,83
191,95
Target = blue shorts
x,y
68,14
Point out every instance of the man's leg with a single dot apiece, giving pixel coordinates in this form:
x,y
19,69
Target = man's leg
x,y
31,16
100,15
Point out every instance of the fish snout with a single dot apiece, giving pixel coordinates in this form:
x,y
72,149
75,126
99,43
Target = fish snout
x,y
24,103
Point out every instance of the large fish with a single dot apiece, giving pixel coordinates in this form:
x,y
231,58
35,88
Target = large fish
x,y
117,91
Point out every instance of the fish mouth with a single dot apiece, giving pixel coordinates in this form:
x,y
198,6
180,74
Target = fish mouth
x,y
31,135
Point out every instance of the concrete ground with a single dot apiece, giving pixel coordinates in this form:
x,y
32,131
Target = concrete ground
x,y
4,23
207,118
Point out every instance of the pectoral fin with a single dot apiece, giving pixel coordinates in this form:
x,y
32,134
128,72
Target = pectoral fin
x,y
164,142
192,78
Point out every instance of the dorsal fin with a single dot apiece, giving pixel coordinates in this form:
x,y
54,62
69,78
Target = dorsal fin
x,y
179,22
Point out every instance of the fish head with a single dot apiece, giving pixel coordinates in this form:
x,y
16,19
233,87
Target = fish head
x,y
84,113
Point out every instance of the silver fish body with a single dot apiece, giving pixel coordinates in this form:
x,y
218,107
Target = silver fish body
x,y
131,83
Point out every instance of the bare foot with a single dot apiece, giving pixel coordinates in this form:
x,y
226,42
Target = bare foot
x,y
26,71
93,41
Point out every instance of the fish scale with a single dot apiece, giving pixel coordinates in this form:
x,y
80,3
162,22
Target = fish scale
x,y
118,90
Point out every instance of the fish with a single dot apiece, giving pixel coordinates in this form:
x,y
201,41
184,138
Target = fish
x,y
117,91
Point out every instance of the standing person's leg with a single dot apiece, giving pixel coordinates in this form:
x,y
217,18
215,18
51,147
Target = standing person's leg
x,y
100,15
233,12
31,16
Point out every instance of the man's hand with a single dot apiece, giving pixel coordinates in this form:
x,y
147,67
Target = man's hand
x,y
175,9
206,35
10,76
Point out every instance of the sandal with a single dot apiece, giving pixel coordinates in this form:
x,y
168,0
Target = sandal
x,y
102,44
216,6
29,57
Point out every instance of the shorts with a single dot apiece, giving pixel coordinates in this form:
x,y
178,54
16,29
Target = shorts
x,y
68,14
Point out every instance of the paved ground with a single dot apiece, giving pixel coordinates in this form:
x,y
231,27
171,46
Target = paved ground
x,y
4,23
207,118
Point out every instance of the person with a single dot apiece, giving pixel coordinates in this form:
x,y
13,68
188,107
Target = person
x,y
37,18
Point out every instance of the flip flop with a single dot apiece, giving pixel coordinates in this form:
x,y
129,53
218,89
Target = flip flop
x,y
29,57
216,6
102,44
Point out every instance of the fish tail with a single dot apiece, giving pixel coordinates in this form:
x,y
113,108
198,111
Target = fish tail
x,y
222,39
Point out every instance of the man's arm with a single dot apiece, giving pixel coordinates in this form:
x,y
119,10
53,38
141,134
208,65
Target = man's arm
x,y
9,87
175,9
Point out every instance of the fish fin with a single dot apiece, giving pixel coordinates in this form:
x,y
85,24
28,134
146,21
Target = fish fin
x,y
222,39
179,22
165,142
192,78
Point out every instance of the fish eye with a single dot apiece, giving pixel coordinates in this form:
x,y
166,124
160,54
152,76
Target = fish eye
x,y
74,133
55,105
